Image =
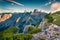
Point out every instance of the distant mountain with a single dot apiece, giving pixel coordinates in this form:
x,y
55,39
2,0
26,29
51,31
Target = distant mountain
x,y
21,20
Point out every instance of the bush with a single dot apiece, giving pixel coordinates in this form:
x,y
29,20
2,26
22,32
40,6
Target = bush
x,y
22,36
49,17
8,33
33,30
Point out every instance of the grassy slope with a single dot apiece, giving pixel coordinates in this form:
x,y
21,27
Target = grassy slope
x,y
56,17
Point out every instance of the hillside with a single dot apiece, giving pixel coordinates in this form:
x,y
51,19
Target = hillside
x,y
54,17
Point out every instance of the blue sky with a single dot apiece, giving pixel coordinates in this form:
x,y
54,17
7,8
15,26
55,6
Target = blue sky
x,y
30,4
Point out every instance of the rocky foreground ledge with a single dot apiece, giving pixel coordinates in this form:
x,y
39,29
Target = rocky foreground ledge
x,y
5,17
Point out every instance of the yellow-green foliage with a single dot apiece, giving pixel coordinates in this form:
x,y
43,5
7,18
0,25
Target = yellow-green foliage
x,y
42,39
22,36
9,34
33,30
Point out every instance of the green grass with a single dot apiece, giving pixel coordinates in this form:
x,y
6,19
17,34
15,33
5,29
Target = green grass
x,y
57,19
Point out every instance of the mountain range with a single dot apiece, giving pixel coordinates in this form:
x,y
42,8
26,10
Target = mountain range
x,y
20,20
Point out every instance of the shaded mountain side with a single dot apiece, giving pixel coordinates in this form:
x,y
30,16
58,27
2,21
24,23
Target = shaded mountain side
x,y
25,19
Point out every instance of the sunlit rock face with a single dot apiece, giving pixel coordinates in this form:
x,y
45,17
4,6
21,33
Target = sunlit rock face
x,y
5,17
18,19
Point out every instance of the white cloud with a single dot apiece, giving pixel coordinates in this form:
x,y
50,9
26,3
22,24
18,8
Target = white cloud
x,y
55,6
50,2
46,11
47,3
41,10
12,10
15,2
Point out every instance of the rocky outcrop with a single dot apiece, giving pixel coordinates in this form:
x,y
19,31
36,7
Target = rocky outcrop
x,y
51,33
5,17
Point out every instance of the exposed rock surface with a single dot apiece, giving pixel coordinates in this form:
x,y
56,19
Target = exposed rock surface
x,y
49,33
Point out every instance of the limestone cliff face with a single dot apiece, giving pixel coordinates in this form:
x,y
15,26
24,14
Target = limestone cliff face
x,y
5,17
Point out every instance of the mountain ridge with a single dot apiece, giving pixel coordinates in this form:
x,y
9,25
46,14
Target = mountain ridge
x,y
34,19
